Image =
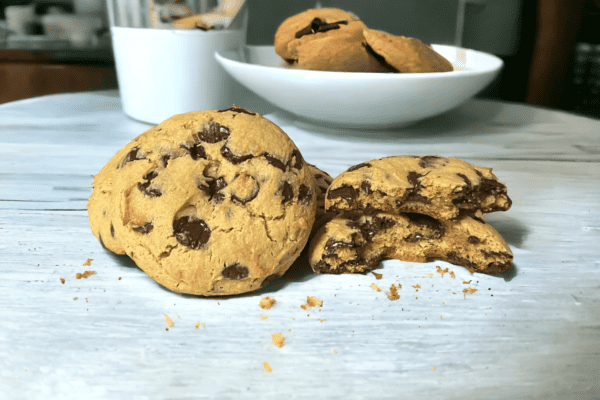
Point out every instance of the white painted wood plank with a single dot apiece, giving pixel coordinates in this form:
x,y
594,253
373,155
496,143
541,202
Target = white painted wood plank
x,y
533,333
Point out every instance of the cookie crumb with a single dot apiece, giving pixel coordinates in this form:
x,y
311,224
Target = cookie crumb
x,y
267,367
375,287
441,271
377,276
84,275
311,301
278,339
392,294
434,368
119,278
88,262
75,298
334,351
263,317
469,290
322,320
430,275
417,286
466,282
452,275
169,321
62,280
266,303
197,325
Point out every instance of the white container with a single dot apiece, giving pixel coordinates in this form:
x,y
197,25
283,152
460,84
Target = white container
x,y
166,72
17,17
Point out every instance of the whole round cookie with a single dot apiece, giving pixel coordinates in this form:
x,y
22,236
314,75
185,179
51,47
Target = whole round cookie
x,y
354,242
299,25
444,188
406,54
211,202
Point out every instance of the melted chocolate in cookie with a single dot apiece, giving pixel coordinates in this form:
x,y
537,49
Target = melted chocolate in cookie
x,y
212,186
232,158
237,109
299,161
191,232
235,272
346,192
435,228
304,194
144,229
213,132
287,191
317,25
133,155
196,151
431,162
144,187
277,163
413,194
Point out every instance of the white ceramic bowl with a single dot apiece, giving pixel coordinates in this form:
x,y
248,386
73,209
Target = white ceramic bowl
x,y
362,100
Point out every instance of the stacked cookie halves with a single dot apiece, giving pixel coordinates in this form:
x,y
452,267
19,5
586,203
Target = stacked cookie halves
x,y
411,208
330,39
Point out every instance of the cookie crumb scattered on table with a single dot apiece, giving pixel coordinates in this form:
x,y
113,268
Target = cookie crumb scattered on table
x,y
267,367
392,294
311,301
377,276
263,317
375,287
469,290
441,271
62,280
169,321
84,275
88,262
267,302
278,339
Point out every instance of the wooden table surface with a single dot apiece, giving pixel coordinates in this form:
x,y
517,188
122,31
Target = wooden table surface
x,y
531,333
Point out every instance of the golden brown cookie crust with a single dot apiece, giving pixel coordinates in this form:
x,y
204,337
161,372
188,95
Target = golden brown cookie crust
x,y
441,187
406,54
287,30
209,203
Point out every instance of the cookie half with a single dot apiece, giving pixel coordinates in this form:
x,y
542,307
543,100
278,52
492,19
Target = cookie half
x,y
443,188
406,54
354,243
208,203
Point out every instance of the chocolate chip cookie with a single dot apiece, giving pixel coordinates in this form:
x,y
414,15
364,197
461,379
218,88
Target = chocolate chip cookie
x,y
207,203
406,54
322,180
326,39
354,242
444,188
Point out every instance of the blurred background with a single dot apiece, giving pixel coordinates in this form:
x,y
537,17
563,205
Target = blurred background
x,y
551,48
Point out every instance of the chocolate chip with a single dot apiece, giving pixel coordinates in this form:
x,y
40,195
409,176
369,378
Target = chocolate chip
x,y
412,194
371,227
453,258
304,194
317,25
269,279
298,158
191,231
287,191
503,254
333,244
346,192
145,186
112,231
212,185
243,201
275,162
431,162
196,151
358,166
238,109
144,229
467,180
366,186
498,267
473,239
228,155
213,132
133,155
235,272
436,228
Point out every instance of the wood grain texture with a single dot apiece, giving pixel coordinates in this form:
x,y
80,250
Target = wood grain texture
x,y
531,333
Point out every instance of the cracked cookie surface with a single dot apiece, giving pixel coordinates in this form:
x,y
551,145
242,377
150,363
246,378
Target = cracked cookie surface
x,y
356,243
441,187
406,54
207,203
